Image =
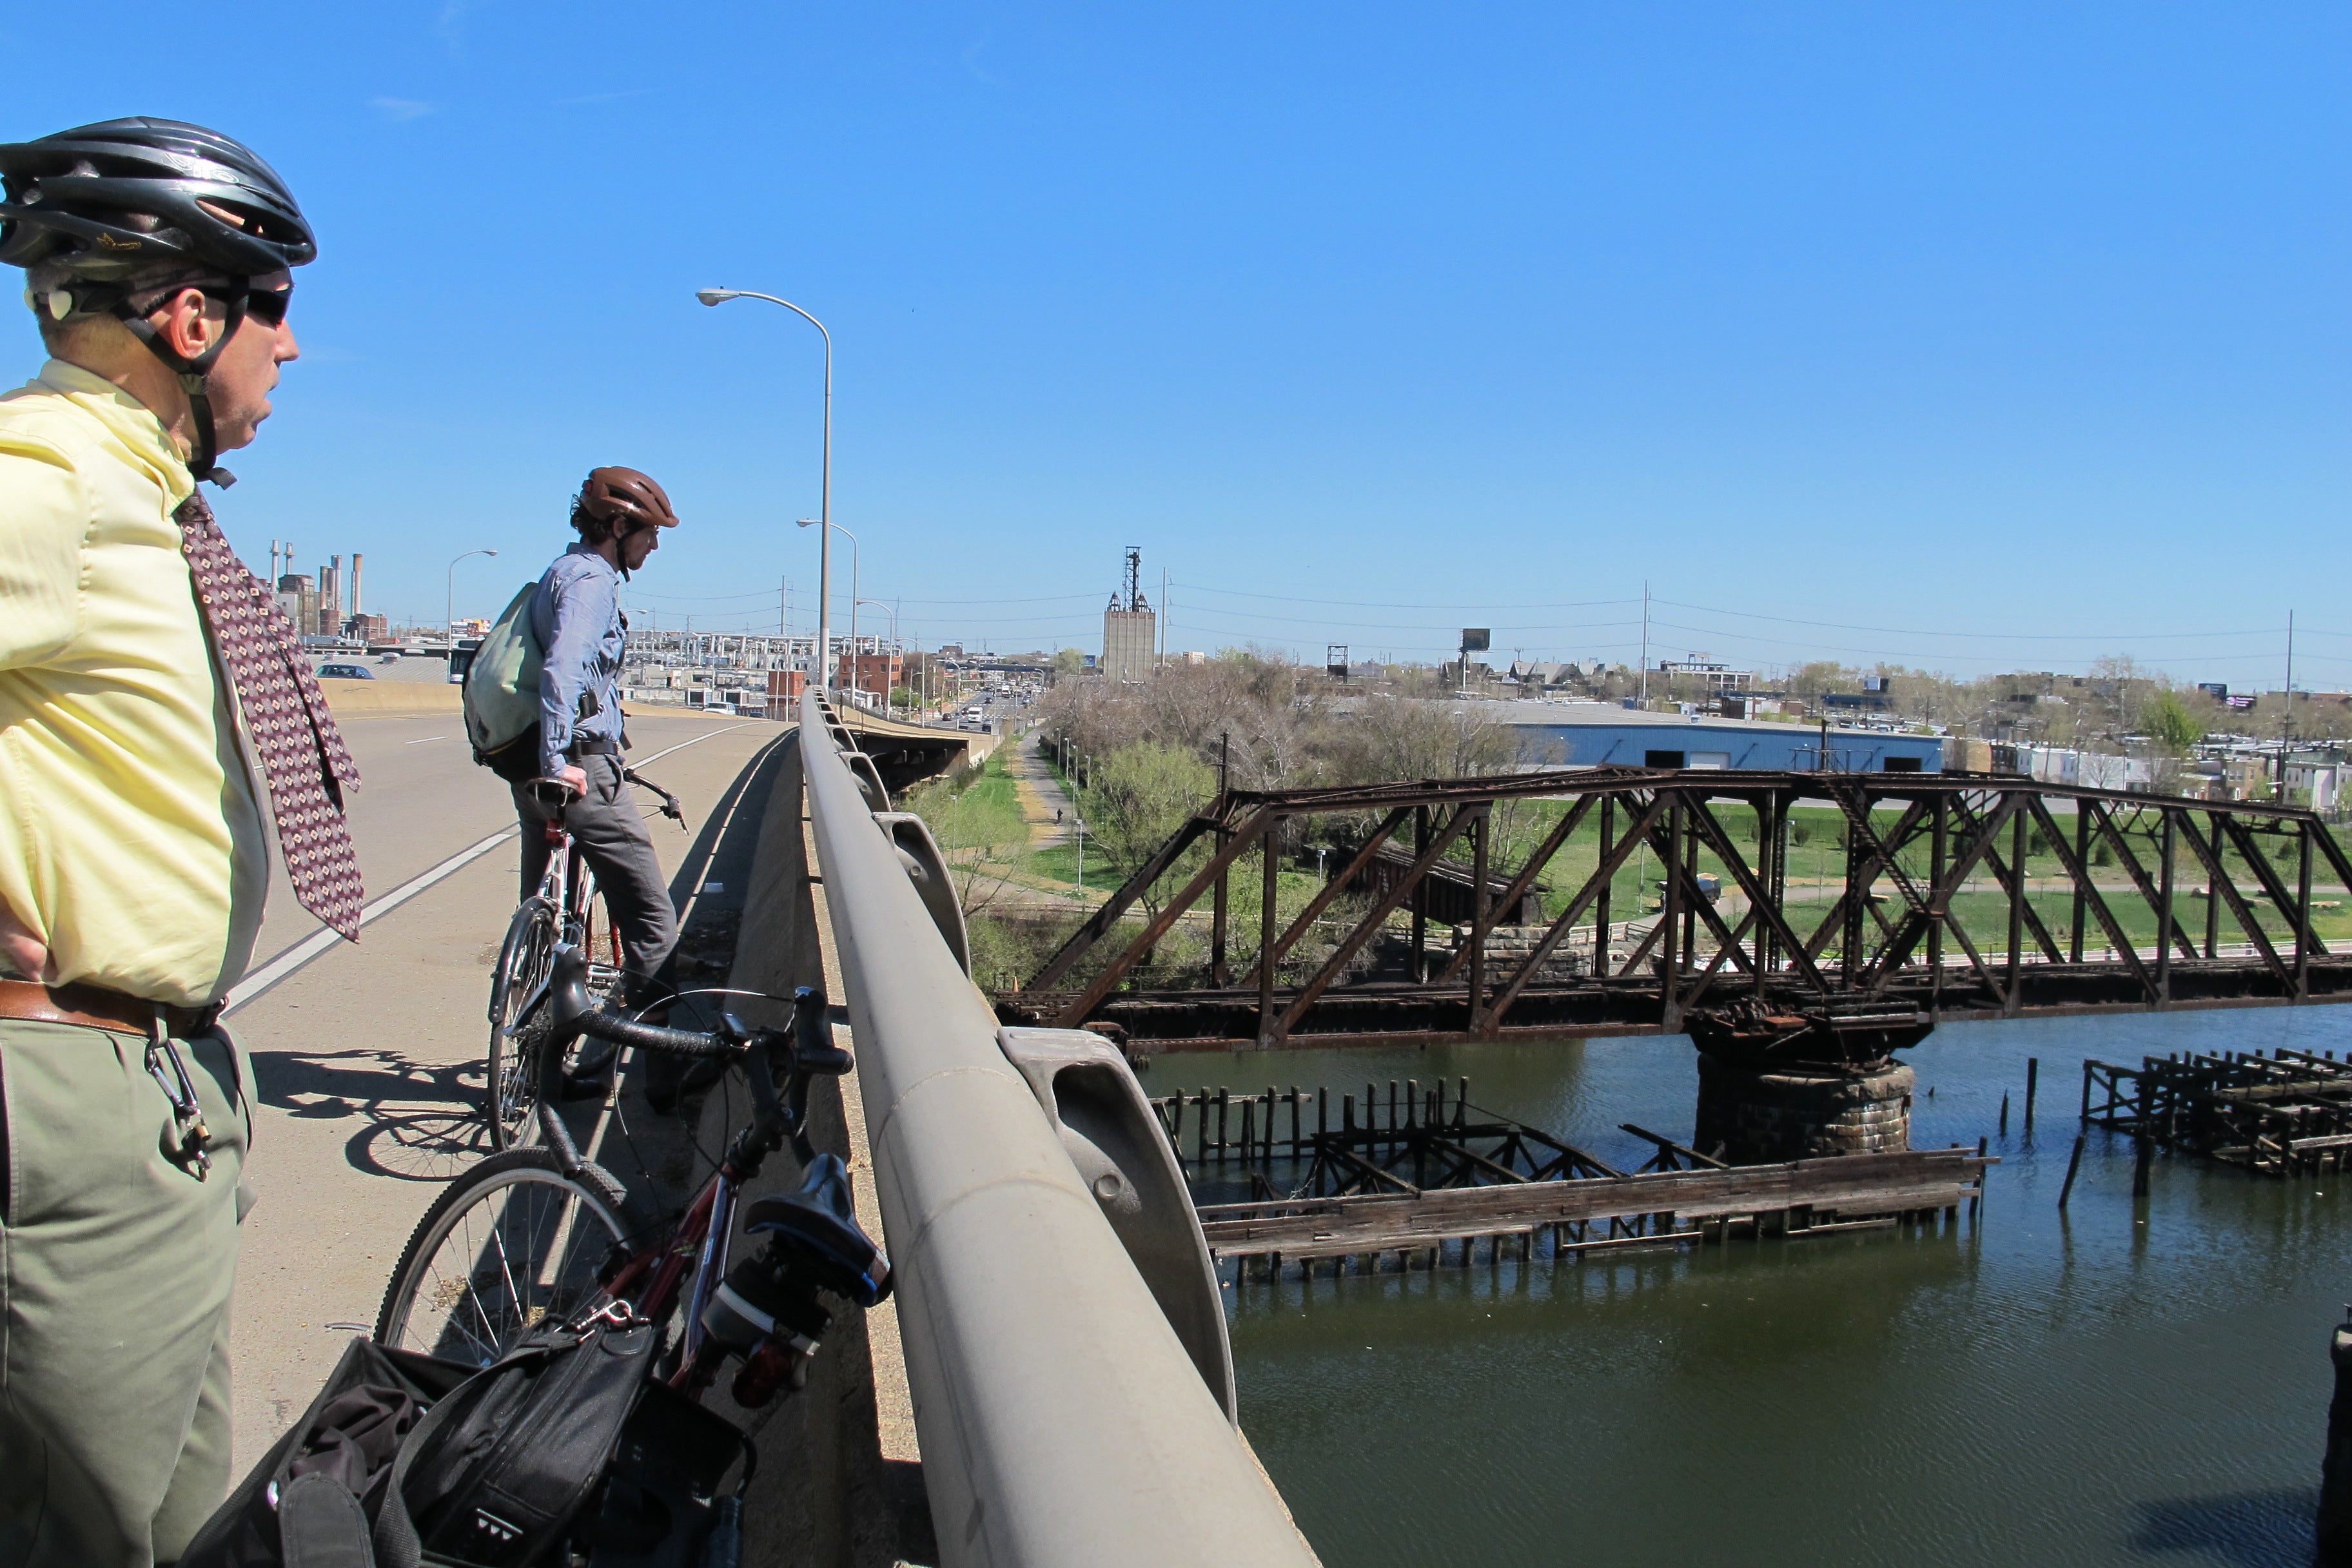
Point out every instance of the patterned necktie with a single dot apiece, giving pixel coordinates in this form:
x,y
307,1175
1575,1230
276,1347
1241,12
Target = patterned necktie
x,y
302,755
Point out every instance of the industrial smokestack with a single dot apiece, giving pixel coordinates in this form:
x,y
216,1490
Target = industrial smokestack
x,y
356,559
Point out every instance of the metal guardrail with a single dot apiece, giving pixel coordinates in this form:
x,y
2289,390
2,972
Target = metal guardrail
x,y
1063,1422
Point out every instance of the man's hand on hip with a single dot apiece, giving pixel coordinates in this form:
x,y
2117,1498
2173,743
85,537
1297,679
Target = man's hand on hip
x,y
25,952
575,778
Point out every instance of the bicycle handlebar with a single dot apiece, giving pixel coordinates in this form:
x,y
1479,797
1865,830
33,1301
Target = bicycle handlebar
x,y
574,1012
809,1053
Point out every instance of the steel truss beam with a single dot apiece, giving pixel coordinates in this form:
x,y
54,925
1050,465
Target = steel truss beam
x,y
1960,819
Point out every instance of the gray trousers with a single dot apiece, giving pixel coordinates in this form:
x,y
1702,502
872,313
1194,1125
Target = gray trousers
x,y
610,833
115,1268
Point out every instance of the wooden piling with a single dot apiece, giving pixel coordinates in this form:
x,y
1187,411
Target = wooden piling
x,y
2032,1076
2142,1154
2004,1115
2073,1164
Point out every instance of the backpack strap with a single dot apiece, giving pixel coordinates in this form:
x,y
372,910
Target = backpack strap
x,y
321,1525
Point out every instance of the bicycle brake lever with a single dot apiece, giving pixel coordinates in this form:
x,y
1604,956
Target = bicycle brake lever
x,y
813,1047
669,806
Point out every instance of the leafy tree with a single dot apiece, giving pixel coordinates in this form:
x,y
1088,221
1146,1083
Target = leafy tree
x,y
2166,720
1139,797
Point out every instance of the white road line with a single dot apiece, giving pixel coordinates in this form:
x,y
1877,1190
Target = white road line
x,y
420,741
319,941
682,745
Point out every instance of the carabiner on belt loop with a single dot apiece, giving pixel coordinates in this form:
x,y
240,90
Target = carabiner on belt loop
x,y
187,1112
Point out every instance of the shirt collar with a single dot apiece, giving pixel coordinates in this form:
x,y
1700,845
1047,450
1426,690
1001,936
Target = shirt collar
x,y
597,555
128,420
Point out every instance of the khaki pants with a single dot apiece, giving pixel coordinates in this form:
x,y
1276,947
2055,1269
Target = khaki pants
x,y
115,1269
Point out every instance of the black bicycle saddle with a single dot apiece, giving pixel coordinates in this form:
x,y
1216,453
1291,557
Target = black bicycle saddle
x,y
819,1225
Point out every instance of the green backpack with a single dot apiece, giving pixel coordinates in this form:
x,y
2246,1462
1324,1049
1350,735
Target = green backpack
x,y
502,693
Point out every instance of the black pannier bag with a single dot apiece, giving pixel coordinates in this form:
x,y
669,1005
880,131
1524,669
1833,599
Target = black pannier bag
x,y
404,1461
351,1435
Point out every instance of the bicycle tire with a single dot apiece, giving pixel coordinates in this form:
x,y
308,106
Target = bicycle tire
x,y
514,1069
494,1213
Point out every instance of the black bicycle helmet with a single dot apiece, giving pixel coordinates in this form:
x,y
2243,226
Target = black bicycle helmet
x,y
211,202
113,201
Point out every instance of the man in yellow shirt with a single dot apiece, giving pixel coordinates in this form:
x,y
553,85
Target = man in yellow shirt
x,y
149,702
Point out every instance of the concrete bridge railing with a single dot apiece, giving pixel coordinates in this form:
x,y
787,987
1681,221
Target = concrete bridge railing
x,y
1061,1418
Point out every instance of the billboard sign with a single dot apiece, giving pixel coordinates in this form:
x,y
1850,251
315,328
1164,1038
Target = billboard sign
x,y
1474,639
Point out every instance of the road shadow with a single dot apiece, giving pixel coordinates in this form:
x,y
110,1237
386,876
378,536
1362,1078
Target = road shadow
x,y
2246,1529
420,1121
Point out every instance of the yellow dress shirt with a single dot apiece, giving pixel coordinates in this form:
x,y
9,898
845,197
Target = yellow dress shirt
x,y
130,838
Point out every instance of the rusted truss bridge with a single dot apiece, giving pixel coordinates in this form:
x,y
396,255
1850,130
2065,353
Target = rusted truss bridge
x,y
2286,1113
1888,943
1425,1176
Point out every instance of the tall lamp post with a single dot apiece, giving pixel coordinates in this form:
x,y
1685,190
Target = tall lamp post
x,y
449,626
825,511
892,611
830,529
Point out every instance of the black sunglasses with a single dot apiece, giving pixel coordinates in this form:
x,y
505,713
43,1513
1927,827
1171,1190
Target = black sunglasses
x,y
268,306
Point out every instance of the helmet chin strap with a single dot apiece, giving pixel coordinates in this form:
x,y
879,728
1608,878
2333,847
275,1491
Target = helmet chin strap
x,y
193,375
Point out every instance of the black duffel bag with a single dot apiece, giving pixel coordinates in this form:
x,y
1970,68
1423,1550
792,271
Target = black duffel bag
x,y
403,1460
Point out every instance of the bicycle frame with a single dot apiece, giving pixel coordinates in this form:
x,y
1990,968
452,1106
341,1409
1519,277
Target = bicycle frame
x,y
569,887
649,1279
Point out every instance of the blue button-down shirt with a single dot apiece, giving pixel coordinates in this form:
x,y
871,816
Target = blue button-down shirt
x,y
577,614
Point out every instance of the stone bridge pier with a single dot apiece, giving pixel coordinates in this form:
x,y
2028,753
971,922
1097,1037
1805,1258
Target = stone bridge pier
x,y
1777,1082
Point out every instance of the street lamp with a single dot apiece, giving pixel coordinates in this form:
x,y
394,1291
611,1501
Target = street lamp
x,y
825,514
830,529
892,611
449,627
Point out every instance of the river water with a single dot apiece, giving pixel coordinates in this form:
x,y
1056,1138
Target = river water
x,y
2130,1384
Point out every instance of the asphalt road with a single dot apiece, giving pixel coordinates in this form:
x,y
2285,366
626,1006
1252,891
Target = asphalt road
x,y
368,1058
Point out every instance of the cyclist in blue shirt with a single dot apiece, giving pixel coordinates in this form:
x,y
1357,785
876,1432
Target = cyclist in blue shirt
x,y
576,615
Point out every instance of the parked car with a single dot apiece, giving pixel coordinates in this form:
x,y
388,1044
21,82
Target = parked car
x,y
345,672
388,659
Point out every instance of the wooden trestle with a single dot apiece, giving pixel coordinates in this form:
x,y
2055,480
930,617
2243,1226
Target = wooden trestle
x,y
2277,1115
1425,1175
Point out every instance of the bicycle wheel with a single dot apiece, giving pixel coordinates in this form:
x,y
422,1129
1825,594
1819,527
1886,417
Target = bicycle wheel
x,y
511,1241
510,1097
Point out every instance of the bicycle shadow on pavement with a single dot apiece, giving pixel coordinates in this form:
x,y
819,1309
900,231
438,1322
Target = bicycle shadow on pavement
x,y
421,1121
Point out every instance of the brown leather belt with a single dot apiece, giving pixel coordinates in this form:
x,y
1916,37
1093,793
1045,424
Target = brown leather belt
x,y
95,1008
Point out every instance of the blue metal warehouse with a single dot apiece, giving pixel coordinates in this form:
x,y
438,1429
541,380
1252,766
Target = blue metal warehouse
x,y
1594,734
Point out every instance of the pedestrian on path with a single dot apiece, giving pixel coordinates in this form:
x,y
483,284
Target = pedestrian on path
x,y
144,676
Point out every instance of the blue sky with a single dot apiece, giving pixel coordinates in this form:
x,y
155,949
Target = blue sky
x,y
1964,336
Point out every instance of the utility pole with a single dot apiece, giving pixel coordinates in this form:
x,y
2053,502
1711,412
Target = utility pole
x,y
1646,643
784,617
2286,715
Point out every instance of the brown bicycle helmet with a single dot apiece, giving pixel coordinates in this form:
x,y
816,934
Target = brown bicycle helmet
x,y
625,500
